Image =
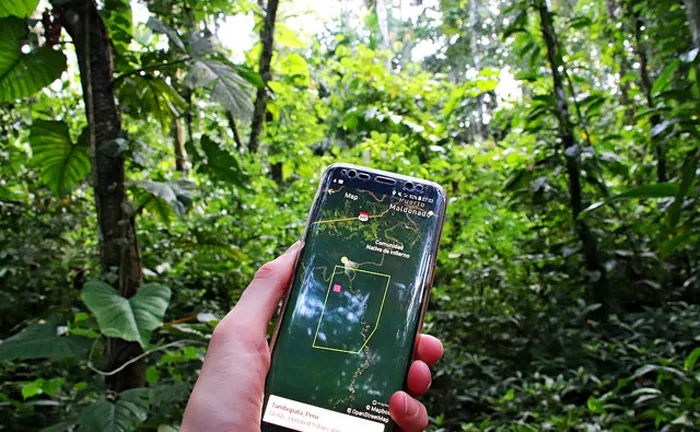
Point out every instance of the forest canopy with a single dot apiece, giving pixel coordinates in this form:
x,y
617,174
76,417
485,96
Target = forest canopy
x,y
154,154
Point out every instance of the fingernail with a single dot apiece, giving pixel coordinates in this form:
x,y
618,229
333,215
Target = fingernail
x,y
410,407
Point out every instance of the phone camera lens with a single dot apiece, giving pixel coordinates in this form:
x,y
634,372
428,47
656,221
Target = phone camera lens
x,y
352,173
419,188
409,186
344,172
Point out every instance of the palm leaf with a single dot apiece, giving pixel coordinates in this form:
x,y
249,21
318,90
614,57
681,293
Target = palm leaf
x,y
229,88
160,27
150,95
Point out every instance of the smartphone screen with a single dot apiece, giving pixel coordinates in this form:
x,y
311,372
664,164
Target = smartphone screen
x,y
346,336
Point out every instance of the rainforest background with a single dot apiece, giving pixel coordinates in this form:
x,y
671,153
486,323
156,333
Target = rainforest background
x,y
154,154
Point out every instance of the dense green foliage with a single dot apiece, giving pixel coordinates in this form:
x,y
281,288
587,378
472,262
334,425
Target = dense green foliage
x,y
566,134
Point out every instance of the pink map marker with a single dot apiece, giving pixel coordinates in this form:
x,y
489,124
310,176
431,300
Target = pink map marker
x,y
336,288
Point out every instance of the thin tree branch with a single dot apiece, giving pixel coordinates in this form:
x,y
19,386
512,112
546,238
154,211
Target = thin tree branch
x,y
135,359
121,77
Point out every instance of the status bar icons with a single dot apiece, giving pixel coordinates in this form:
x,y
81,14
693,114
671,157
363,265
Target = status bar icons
x,y
413,197
339,181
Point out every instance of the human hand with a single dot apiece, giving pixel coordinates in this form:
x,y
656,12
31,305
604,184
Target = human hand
x,y
228,395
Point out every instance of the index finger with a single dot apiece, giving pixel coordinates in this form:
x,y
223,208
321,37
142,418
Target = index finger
x,y
429,349
260,300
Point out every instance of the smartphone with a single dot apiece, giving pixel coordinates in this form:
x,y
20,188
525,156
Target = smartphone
x,y
347,329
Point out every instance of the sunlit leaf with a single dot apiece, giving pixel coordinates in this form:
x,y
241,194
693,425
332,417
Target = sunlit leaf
x,y
61,162
159,26
692,358
664,80
18,8
285,37
119,21
150,95
21,74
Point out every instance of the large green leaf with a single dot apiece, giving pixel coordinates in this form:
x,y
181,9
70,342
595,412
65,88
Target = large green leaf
x,y
228,88
294,66
159,26
657,190
131,319
652,191
18,8
61,162
42,340
164,394
150,95
673,214
691,359
67,425
220,163
677,242
664,80
123,415
164,199
117,16
21,74
250,75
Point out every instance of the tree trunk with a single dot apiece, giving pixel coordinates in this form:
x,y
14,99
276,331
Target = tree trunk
x,y
640,48
119,252
189,117
613,18
347,14
234,130
267,35
276,172
570,149
383,22
178,132
692,9
476,60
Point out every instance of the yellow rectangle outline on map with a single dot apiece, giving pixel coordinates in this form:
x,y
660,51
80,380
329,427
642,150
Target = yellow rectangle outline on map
x,y
379,317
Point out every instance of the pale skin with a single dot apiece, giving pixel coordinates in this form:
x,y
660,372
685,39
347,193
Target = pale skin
x,y
228,395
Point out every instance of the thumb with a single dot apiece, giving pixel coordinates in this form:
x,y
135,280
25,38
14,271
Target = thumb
x,y
260,300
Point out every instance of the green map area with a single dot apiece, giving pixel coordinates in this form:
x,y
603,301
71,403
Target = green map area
x,y
352,309
348,329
